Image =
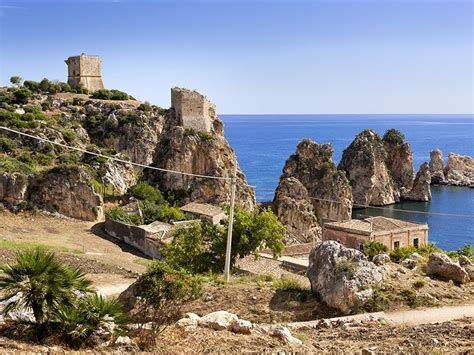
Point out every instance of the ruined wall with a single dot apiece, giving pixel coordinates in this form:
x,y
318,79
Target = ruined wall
x,y
85,70
193,110
347,239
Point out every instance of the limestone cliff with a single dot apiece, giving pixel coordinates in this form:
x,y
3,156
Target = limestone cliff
x,y
436,166
364,163
381,170
308,186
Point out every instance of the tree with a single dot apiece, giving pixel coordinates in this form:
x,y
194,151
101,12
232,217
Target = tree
x,y
40,282
16,80
163,290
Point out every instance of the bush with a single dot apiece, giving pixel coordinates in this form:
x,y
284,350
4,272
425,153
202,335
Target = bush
x,y
91,313
12,165
7,145
105,94
163,290
345,268
144,191
419,284
378,302
77,101
372,248
170,213
145,107
16,80
69,136
428,249
119,215
394,136
42,282
43,159
289,284
20,96
399,254
31,85
466,250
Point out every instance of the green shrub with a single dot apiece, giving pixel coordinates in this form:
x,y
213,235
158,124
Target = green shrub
x,y
42,282
24,206
31,85
378,302
12,165
76,101
466,250
69,135
20,96
428,249
163,290
7,145
43,159
82,90
399,254
91,313
26,158
372,248
145,107
45,106
409,297
394,136
144,191
170,213
205,136
105,94
419,284
16,80
69,159
119,215
289,284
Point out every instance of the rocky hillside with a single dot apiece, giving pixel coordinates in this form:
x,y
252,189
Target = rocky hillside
x,y
380,170
37,173
307,187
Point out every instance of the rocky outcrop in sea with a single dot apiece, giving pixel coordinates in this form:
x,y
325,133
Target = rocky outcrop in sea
x,y
307,189
380,170
459,171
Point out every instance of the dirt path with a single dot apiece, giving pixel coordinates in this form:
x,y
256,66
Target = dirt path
x,y
431,315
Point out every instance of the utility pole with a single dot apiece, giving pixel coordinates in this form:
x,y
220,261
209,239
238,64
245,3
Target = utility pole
x,y
233,181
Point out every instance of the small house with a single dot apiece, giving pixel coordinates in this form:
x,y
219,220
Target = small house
x,y
393,233
203,211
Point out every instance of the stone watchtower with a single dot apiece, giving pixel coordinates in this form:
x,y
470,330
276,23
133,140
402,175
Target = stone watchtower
x,y
193,110
84,70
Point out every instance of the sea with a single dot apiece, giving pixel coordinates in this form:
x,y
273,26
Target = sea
x,y
264,142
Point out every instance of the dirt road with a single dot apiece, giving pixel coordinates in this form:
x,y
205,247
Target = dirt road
x,y
431,315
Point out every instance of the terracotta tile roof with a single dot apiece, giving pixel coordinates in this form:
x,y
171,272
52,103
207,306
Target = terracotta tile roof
x,y
377,224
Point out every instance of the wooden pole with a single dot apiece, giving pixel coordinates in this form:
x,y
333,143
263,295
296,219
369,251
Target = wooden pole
x,y
233,182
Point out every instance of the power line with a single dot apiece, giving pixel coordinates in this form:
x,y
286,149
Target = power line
x,y
114,158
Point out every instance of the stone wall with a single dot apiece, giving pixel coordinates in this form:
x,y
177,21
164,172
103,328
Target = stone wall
x,y
193,110
85,70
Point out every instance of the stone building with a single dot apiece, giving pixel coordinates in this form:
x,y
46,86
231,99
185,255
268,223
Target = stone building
x,y
84,70
204,212
393,233
193,110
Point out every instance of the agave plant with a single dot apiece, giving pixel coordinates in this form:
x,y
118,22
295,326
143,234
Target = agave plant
x,y
42,282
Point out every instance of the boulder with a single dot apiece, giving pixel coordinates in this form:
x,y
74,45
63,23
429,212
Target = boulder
x,y
340,276
442,266
421,190
381,259
219,320
284,334
67,190
436,167
409,264
13,187
119,175
466,263
242,326
308,186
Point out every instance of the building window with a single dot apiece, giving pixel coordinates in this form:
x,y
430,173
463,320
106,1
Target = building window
x,y
361,247
396,245
415,242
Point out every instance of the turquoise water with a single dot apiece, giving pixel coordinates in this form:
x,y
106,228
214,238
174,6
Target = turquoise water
x,y
264,142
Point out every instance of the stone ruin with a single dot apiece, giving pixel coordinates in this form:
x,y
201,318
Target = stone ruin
x,y
193,110
84,70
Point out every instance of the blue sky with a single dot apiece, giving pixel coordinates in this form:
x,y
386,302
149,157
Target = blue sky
x,y
293,56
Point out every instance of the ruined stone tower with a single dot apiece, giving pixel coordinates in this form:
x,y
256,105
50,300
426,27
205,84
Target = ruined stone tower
x,y
193,110
84,70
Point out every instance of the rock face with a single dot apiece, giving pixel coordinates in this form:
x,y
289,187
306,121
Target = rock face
x,y
200,153
68,192
340,276
458,172
421,190
437,166
364,163
310,181
13,187
442,266
381,171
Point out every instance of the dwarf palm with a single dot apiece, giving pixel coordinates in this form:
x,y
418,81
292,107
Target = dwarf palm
x,y
42,283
